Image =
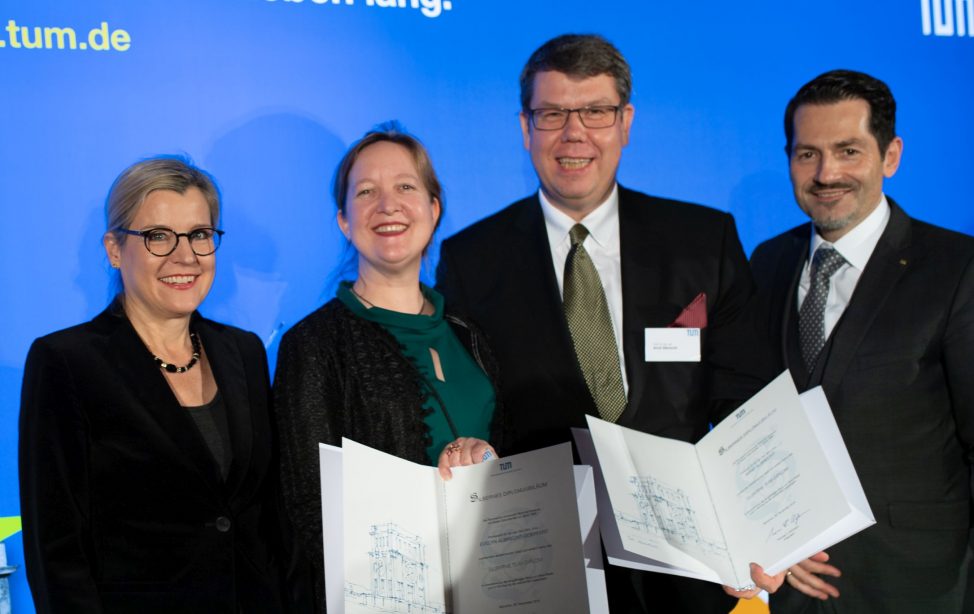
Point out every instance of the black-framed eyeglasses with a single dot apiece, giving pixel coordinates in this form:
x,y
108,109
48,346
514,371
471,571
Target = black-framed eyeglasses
x,y
164,241
596,116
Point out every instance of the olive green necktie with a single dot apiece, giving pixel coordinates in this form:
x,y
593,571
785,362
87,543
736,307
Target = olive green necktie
x,y
588,319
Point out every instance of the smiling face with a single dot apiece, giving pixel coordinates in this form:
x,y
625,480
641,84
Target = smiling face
x,y
173,286
389,214
836,166
576,165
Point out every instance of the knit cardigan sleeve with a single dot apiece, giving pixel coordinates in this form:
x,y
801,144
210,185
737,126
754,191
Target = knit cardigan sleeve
x,y
340,376
305,379
337,376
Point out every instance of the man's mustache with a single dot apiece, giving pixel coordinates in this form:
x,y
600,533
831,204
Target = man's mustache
x,y
825,187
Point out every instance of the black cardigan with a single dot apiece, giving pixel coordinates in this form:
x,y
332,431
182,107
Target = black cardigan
x,y
339,375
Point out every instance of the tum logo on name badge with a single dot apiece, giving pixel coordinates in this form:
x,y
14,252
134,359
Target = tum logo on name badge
x,y
947,17
506,465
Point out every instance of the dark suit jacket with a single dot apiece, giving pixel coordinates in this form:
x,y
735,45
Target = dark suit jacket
x,y
897,373
124,508
500,272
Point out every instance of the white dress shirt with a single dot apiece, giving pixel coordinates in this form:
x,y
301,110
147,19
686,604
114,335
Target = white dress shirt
x,y
856,246
602,245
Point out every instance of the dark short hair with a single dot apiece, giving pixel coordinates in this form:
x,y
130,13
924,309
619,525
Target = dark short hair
x,y
391,132
580,56
839,85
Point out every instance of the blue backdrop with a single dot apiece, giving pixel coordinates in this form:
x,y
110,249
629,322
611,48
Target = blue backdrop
x,y
266,95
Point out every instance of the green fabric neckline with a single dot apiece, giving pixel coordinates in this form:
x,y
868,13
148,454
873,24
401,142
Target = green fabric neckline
x,y
395,319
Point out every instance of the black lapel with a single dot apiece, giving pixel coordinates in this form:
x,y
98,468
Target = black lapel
x,y
177,431
227,364
642,250
537,287
788,276
888,262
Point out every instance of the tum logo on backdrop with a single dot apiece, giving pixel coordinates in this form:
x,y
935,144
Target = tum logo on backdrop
x,y
947,17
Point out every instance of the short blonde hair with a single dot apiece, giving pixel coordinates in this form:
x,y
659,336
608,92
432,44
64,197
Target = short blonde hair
x,y
136,182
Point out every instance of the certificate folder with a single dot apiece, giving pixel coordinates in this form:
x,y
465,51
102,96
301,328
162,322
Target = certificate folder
x,y
501,536
771,484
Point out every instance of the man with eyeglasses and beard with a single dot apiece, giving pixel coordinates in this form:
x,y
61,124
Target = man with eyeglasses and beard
x,y
878,309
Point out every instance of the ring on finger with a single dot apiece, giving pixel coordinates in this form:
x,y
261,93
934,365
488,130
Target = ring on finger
x,y
453,447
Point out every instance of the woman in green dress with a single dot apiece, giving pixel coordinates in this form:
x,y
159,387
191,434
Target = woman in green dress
x,y
382,363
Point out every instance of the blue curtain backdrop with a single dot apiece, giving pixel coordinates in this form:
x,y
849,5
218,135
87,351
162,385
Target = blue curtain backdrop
x,y
267,94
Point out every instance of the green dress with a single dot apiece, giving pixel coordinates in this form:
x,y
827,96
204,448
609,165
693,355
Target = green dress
x,y
465,390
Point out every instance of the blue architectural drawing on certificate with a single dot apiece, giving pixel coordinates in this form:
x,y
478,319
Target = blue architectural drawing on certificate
x,y
399,572
666,511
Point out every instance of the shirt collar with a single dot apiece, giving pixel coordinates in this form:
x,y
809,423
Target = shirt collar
x,y
602,222
857,245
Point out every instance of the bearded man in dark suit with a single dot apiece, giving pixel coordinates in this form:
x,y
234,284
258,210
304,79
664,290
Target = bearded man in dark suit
x,y
570,282
878,309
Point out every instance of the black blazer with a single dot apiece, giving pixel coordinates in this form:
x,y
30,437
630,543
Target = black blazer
x,y
897,373
124,508
500,272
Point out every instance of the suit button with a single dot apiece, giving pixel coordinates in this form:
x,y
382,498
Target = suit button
x,y
222,524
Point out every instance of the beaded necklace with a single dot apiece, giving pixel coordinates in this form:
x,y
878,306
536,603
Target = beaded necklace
x,y
171,368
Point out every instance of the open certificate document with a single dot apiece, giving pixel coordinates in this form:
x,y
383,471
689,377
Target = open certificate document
x,y
501,536
771,484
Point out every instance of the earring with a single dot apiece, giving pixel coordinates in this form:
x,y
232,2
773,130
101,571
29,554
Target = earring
x,y
115,265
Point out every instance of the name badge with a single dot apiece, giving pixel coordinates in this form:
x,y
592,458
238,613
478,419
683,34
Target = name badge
x,y
672,345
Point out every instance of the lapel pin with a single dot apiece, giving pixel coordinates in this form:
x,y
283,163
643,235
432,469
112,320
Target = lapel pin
x,y
902,262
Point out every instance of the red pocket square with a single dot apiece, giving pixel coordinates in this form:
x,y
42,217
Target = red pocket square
x,y
693,315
